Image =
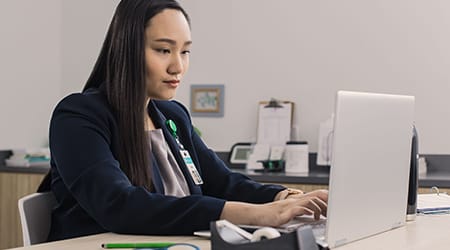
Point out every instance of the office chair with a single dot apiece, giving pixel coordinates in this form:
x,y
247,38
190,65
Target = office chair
x,y
35,216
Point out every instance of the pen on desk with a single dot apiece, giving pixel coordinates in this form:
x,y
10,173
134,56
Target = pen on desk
x,y
437,212
138,245
442,210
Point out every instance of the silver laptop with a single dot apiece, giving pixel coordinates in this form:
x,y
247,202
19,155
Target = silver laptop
x,y
370,166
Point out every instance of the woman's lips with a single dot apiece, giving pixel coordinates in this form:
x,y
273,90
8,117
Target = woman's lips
x,y
173,83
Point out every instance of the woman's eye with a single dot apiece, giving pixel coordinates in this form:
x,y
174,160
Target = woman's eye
x,y
186,52
163,51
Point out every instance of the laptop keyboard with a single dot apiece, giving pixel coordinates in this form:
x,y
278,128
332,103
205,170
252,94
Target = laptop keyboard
x,y
302,221
318,226
319,230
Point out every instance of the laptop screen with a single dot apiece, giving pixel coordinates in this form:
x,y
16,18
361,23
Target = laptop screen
x,y
370,165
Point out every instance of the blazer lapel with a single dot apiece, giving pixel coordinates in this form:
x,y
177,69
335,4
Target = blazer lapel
x,y
159,120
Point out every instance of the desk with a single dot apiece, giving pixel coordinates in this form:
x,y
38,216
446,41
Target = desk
x,y
427,232
16,182
94,241
319,180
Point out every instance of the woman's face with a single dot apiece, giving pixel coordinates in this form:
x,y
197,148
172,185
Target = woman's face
x,y
167,47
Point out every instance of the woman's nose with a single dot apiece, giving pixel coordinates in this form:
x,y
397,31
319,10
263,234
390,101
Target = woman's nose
x,y
176,65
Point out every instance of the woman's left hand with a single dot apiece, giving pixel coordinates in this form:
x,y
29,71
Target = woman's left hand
x,y
320,196
288,192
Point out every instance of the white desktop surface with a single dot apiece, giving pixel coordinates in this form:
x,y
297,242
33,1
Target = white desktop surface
x,y
426,232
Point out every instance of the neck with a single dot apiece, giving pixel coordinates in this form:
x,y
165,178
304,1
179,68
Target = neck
x,y
149,125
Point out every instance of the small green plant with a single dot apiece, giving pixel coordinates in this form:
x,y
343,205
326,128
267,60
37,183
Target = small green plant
x,y
197,131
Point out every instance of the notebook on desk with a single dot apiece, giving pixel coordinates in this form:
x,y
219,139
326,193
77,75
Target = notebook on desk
x,y
369,172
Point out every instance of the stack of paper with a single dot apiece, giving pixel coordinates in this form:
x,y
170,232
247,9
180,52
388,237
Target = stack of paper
x,y
29,158
438,203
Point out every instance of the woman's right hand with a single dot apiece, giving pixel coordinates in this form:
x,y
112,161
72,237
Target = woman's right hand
x,y
278,212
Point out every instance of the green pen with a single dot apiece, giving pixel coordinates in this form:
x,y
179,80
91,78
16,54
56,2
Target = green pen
x,y
138,245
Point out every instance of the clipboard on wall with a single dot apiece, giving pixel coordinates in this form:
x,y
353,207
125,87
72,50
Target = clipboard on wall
x,y
274,122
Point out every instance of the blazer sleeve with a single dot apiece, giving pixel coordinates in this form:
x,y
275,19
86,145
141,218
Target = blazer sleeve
x,y
80,142
219,180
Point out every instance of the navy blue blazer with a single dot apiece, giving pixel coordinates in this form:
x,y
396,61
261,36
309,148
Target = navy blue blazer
x,y
94,195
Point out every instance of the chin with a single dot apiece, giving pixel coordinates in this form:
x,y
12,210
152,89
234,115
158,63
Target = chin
x,y
162,97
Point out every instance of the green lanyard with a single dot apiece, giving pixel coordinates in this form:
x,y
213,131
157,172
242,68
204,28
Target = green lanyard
x,y
185,154
173,130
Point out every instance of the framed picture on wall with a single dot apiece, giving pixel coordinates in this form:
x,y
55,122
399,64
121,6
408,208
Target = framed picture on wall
x,y
207,100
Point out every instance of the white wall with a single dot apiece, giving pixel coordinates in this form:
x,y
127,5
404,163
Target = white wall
x,y
30,70
295,50
85,23
47,50
304,51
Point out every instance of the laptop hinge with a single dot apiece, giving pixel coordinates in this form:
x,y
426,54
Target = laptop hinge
x,y
397,224
340,242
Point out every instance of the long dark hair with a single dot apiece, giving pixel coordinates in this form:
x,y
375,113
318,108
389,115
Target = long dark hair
x,y
121,67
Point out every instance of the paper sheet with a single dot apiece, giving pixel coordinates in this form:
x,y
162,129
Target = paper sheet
x,y
433,201
259,152
274,124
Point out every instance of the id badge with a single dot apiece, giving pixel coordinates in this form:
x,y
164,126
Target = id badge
x,y
191,167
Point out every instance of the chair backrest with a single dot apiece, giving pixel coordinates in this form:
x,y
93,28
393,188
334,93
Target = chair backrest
x,y
35,216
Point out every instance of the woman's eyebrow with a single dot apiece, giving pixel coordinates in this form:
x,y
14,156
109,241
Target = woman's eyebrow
x,y
171,41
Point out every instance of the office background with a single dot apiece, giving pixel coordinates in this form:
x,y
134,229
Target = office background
x,y
302,51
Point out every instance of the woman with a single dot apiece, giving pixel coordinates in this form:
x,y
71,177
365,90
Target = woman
x,y
127,160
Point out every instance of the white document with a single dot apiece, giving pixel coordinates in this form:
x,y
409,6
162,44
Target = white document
x,y
325,142
297,158
276,153
274,124
433,202
260,152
